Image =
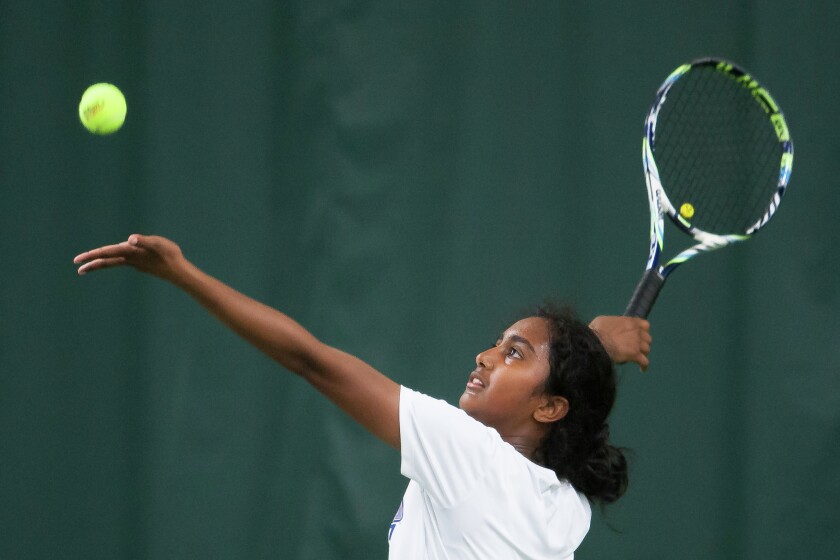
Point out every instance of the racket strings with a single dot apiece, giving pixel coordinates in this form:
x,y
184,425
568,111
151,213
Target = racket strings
x,y
717,151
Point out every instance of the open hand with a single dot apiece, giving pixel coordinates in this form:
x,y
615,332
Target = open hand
x,y
147,253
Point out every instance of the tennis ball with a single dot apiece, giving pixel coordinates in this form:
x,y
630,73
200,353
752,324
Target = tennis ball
x,y
687,211
102,109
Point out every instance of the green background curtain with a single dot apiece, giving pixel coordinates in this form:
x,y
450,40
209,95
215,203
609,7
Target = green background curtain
x,y
404,178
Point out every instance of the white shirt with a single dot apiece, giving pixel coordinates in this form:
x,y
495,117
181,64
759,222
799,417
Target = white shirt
x,y
473,496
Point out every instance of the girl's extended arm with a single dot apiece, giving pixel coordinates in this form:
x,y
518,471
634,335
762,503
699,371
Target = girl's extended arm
x,y
357,388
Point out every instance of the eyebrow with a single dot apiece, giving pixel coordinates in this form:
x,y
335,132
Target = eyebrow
x,y
521,340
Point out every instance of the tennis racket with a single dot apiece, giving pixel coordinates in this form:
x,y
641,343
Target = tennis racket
x,y
717,158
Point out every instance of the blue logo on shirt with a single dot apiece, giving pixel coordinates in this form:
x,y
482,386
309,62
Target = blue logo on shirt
x,y
397,518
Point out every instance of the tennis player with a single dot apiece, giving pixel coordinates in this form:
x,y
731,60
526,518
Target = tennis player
x,y
510,473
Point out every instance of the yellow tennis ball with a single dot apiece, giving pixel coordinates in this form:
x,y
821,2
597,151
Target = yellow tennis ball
x,y
102,109
687,211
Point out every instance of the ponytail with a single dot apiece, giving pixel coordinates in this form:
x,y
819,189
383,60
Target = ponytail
x,y
577,447
604,475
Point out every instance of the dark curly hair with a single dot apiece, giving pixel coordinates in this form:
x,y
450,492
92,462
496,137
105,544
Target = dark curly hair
x,y
577,447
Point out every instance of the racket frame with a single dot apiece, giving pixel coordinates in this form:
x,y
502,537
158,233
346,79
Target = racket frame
x,y
654,277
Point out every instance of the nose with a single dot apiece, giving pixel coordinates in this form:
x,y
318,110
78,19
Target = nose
x,y
484,360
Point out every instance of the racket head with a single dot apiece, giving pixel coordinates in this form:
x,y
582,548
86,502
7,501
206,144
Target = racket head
x,y
718,152
717,156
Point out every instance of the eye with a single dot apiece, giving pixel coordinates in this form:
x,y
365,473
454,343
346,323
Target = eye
x,y
513,352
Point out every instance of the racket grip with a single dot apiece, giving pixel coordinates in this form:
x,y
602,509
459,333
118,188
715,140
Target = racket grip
x,y
645,295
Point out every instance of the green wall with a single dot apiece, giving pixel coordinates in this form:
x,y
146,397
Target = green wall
x,y
404,178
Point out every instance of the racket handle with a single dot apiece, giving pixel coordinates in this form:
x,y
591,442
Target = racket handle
x,y
645,295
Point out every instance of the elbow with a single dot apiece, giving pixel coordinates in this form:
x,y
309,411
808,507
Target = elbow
x,y
307,363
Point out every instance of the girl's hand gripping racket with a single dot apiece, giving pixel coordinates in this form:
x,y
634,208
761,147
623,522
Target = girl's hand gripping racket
x,y
717,157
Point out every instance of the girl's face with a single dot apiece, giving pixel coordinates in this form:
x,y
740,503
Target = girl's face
x,y
507,385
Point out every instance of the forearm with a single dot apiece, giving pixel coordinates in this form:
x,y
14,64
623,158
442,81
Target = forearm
x,y
361,391
269,330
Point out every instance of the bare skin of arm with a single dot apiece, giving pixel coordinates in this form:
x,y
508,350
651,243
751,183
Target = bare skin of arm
x,y
361,391
626,339
368,396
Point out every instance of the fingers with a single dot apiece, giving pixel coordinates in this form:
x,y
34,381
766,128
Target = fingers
x,y
106,251
640,358
151,254
645,344
97,264
134,240
108,256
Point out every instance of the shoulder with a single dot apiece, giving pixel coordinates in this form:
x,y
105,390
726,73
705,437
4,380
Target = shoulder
x,y
442,448
425,414
428,415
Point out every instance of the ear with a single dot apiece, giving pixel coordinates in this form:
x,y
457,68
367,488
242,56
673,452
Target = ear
x,y
552,409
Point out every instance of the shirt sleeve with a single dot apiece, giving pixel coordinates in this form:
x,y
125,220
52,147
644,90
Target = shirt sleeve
x,y
443,449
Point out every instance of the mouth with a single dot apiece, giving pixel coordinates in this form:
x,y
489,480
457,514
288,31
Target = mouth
x,y
475,382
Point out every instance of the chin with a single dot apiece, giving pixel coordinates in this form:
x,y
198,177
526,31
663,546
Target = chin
x,y
463,400
467,404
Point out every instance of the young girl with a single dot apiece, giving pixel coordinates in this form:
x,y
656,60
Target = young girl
x,y
508,474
